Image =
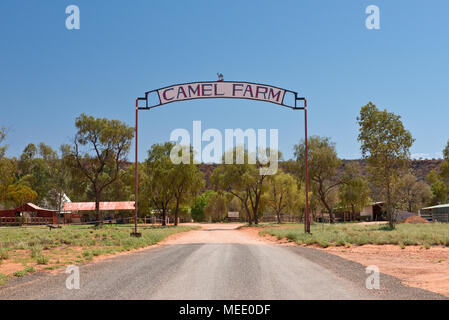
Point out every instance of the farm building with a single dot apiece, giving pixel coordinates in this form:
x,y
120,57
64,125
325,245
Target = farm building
x,y
76,212
373,212
438,213
28,213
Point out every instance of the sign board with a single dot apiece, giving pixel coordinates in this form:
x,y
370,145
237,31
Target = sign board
x,y
233,214
220,89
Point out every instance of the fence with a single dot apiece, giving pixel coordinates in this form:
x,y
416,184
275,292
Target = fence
x,y
283,219
145,220
19,221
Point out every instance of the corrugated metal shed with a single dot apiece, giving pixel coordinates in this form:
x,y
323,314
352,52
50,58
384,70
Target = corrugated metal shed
x,y
104,206
28,207
436,213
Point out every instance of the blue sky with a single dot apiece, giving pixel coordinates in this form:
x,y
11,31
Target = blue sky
x,y
322,49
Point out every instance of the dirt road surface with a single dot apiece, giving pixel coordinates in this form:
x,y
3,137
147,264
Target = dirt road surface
x,y
217,262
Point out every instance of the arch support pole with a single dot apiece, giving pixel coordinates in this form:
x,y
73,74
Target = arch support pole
x,y
136,171
306,158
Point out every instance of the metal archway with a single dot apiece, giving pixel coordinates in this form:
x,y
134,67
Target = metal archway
x,y
220,89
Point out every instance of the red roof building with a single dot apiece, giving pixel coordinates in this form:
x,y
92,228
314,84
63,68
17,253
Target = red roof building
x,y
29,207
104,206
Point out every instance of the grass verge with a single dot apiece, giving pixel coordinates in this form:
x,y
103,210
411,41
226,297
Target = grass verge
x,y
37,248
347,234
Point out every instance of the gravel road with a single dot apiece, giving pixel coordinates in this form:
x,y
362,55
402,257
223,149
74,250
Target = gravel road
x,y
237,267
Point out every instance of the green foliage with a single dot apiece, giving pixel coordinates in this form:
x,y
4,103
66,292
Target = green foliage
x,y
30,269
17,195
3,278
323,164
167,183
385,144
197,210
414,194
446,151
282,195
440,180
36,251
99,152
2,138
354,192
216,208
244,180
88,255
42,259
4,254
19,274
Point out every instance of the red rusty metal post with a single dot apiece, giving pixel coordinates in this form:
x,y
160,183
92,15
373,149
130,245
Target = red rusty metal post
x,y
307,218
136,171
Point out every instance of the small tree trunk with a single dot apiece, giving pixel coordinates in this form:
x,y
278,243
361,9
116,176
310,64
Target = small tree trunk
x,y
389,207
97,209
176,212
163,217
250,221
353,212
331,216
256,211
256,218
279,217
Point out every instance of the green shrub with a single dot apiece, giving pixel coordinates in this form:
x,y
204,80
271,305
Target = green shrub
x,y
4,254
36,252
30,270
88,255
20,273
41,259
291,236
3,278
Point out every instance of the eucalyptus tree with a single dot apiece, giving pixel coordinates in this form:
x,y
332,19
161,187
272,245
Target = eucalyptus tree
x,y
244,180
99,152
413,193
187,179
385,144
354,191
323,165
2,139
439,179
282,194
169,184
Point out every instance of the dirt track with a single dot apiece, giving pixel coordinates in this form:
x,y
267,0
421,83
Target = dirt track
x,y
217,262
216,233
416,266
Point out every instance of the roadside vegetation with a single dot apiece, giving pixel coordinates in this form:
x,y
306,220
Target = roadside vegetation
x,y
36,248
348,234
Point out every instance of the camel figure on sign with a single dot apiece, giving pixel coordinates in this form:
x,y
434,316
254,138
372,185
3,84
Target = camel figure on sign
x,y
220,77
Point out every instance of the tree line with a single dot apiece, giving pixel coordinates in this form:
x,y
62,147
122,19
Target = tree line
x,y
94,167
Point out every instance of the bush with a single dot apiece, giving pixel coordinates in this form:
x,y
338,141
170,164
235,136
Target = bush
x,y
36,252
88,255
41,259
3,278
20,273
30,270
4,254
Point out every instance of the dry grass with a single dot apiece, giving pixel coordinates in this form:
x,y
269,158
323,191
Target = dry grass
x,y
347,234
36,248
